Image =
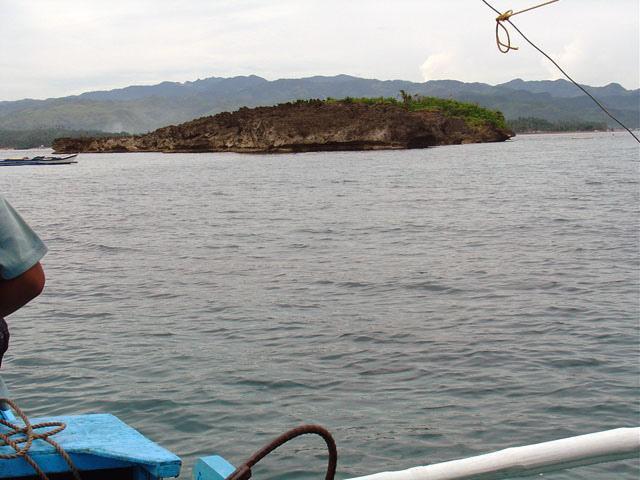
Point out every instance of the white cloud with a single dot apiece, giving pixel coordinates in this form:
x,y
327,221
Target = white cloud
x,y
438,66
570,58
69,46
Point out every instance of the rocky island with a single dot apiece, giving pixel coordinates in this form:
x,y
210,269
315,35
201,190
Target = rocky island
x,y
315,125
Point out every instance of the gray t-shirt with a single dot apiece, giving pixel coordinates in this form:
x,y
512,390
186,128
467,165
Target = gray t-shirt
x,y
20,247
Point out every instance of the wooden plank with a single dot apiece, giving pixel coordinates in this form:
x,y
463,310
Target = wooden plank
x,y
95,442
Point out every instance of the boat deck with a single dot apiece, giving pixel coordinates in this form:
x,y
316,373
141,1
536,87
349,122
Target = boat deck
x,y
101,446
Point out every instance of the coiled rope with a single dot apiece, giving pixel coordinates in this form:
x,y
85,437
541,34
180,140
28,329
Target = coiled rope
x,y
20,438
506,46
243,472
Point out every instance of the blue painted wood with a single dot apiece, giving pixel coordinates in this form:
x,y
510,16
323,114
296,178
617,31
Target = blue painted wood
x,y
7,415
94,442
212,468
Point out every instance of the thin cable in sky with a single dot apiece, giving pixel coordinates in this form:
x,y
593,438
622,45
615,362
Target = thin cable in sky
x,y
604,109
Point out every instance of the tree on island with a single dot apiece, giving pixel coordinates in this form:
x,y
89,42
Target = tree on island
x,y
406,99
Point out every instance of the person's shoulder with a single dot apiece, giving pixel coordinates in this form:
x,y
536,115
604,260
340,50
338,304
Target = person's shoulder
x,y
7,212
4,204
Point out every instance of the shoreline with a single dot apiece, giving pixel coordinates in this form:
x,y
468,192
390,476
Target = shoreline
x,y
572,132
559,132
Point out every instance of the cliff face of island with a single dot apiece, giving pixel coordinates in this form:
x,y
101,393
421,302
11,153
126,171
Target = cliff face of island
x,y
304,126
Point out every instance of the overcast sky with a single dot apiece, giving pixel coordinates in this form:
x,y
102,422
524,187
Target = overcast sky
x,y
51,48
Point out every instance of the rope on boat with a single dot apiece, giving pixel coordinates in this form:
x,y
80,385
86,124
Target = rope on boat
x,y
243,472
20,438
506,47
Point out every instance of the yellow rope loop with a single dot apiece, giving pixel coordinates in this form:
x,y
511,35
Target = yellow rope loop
x,y
502,46
506,47
25,434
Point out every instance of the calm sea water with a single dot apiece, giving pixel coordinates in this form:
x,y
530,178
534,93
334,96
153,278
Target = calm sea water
x,y
423,305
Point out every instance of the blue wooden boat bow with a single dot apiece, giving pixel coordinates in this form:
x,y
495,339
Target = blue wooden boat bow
x,y
97,445
99,442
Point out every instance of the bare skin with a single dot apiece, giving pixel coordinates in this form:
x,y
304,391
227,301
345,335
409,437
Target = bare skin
x,y
17,292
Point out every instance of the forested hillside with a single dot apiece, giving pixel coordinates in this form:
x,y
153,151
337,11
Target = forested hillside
x,y
139,109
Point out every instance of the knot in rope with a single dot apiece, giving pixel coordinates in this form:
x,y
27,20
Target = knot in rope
x,y
21,438
503,17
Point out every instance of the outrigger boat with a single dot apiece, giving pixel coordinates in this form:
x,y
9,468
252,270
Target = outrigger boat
x,y
101,447
40,160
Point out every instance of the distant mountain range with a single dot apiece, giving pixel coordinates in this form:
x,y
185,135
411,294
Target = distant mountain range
x,y
138,109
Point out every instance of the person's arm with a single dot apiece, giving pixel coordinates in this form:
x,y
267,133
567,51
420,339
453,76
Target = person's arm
x,y
19,291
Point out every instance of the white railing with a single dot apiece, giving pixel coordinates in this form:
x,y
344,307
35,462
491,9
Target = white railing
x,y
619,444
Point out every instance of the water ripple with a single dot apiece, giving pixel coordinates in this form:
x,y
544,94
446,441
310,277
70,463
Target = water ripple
x,y
424,305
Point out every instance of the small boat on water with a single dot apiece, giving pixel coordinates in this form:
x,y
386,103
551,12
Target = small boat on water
x,y
40,160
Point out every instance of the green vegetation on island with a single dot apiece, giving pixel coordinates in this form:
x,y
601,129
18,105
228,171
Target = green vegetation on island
x,y
471,112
